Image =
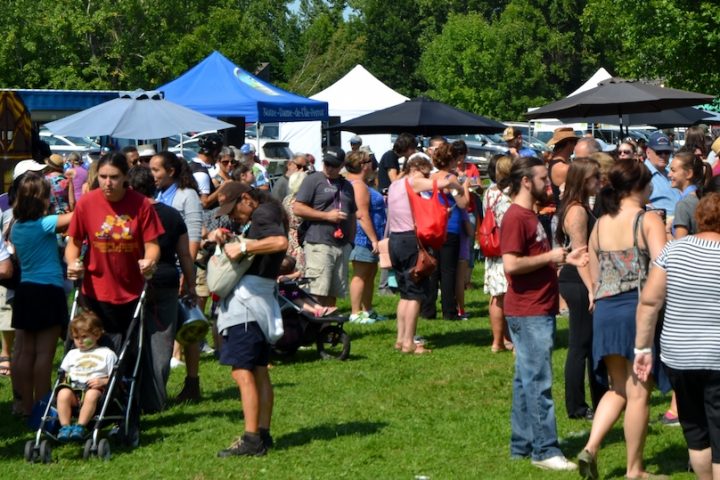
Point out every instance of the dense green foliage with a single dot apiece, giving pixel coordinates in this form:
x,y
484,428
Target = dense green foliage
x,y
495,57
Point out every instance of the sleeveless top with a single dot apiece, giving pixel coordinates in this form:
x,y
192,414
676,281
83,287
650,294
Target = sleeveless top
x,y
622,270
569,273
555,188
377,216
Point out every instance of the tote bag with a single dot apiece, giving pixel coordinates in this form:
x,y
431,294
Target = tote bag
x,y
223,274
431,216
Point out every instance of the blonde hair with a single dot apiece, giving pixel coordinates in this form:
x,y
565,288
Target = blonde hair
x,y
295,181
86,322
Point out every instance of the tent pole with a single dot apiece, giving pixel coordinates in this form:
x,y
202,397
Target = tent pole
x,y
257,140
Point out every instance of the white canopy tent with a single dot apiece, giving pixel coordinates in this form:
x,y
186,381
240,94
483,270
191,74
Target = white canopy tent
x,y
358,93
593,81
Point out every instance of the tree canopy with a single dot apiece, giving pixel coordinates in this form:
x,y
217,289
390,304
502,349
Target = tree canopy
x,y
493,57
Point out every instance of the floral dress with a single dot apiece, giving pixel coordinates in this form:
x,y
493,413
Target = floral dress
x,y
495,280
295,250
59,194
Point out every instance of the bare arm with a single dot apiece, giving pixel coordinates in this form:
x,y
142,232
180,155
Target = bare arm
x,y
72,255
362,200
392,174
651,301
182,250
515,264
681,232
63,221
264,246
575,225
149,261
594,264
306,212
654,230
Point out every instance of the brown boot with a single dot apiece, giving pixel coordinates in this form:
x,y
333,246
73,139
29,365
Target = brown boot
x,y
191,390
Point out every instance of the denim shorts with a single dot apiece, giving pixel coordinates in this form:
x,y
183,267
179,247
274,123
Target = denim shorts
x,y
363,254
244,346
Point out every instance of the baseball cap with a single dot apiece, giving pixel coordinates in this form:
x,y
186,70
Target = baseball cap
x,y
25,166
659,142
334,157
247,149
355,140
230,192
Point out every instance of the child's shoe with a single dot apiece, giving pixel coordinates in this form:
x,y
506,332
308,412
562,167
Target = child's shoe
x,y
78,433
64,433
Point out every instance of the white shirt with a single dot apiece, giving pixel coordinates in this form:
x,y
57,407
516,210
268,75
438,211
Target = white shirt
x,y
81,365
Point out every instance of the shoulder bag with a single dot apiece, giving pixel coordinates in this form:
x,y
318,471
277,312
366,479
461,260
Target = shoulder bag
x,y
224,274
431,216
426,263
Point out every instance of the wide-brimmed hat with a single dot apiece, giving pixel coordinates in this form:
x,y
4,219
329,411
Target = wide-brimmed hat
x,y
230,192
55,160
562,134
509,133
25,166
146,150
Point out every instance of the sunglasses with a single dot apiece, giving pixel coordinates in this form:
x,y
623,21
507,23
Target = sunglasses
x,y
365,162
300,166
625,152
225,162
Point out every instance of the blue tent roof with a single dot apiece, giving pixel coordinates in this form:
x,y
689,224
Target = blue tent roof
x,y
219,88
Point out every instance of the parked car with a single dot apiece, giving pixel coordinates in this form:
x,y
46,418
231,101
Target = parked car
x,y
480,150
273,154
63,145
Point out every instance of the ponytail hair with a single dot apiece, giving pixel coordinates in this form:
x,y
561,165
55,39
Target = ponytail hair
x,y
182,175
701,171
625,178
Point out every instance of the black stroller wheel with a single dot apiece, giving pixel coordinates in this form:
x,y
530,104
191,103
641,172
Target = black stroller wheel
x,y
333,343
87,451
45,452
29,450
103,450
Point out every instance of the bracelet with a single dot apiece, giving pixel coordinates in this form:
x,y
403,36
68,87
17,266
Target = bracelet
x,y
640,351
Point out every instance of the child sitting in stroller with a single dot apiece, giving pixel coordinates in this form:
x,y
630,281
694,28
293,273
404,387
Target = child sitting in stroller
x,y
288,276
87,371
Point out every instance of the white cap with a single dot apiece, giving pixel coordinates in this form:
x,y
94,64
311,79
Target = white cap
x,y
146,150
25,166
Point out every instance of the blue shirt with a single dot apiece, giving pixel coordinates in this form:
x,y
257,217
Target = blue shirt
x,y
663,195
37,249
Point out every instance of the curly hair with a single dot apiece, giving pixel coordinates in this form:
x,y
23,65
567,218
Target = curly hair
x,y
443,156
86,322
707,213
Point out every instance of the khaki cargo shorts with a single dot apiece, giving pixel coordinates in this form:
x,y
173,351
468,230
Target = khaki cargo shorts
x,y
326,267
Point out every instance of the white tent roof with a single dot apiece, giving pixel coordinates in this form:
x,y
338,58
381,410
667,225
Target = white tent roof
x,y
358,93
593,81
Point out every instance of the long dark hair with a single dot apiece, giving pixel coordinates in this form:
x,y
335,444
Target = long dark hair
x,y
181,173
32,198
576,191
624,178
521,168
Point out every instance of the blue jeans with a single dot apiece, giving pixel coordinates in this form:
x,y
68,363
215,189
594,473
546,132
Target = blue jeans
x,y
534,431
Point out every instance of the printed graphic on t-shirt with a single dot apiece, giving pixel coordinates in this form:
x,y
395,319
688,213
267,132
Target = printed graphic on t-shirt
x,y
540,235
115,235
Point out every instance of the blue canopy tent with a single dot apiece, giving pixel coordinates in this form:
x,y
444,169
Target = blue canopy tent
x,y
219,88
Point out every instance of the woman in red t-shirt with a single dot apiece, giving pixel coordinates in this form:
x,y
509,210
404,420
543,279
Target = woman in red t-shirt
x,y
121,230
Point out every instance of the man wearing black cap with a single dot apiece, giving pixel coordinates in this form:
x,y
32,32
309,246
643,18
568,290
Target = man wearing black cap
x,y
659,149
326,203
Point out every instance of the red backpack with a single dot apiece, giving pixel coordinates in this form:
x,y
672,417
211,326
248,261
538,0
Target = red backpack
x,y
488,233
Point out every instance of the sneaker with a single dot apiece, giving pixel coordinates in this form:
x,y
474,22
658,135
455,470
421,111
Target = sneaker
x,y
64,433
206,349
376,316
247,445
175,363
558,462
418,340
463,315
669,419
362,318
78,433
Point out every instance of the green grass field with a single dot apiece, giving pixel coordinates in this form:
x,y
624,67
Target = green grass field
x,y
379,415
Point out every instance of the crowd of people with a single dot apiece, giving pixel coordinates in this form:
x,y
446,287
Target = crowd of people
x,y
589,229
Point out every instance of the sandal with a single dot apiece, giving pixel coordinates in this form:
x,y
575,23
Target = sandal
x,y
5,369
418,350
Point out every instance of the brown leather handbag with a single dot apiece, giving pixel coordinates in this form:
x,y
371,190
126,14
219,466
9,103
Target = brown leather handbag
x,y
425,265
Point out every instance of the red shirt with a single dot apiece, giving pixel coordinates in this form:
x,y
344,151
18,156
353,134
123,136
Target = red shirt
x,y
116,233
470,171
534,293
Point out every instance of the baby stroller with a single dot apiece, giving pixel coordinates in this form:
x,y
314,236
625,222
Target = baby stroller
x,y
303,328
116,407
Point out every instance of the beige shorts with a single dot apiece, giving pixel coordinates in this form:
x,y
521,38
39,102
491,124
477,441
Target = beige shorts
x,y
5,312
327,269
201,287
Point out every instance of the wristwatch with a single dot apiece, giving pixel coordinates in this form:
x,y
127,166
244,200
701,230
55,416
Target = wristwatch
x,y
243,247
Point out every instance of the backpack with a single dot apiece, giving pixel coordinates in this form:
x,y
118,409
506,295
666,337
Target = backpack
x,y
488,233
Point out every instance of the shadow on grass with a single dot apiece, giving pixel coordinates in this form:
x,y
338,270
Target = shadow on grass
x,y
328,431
465,337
